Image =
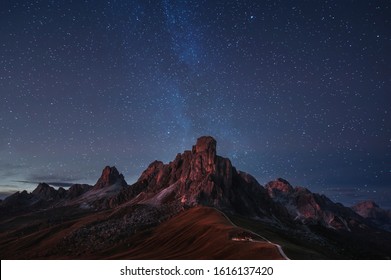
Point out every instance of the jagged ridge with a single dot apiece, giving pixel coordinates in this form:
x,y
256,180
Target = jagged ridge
x,y
112,210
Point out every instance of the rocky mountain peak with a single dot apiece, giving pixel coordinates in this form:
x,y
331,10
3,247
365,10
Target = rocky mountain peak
x,y
44,191
42,187
110,176
200,177
205,144
366,208
279,187
368,204
373,213
204,156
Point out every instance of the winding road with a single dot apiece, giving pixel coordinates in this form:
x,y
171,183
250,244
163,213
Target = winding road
x,y
280,250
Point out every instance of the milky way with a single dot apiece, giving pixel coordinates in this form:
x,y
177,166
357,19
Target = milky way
x,y
292,89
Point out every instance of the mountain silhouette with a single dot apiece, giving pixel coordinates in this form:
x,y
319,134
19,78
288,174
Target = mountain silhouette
x,y
196,206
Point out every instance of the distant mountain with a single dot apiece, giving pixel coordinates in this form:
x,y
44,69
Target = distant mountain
x,y
48,193
228,208
311,208
110,176
374,214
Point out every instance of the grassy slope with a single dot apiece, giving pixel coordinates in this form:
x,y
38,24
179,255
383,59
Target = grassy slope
x,y
197,233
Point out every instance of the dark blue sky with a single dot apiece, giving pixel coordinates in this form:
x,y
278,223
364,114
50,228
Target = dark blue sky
x,y
293,89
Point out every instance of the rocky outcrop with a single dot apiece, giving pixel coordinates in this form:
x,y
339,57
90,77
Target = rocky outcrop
x,y
279,187
201,177
109,177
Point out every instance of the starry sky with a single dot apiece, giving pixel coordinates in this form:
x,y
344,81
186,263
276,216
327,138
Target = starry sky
x,y
292,89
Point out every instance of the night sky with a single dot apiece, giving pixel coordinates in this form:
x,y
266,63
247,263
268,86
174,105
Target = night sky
x,y
292,89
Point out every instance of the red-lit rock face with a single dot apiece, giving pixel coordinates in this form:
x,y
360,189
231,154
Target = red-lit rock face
x,y
110,176
279,186
201,177
205,149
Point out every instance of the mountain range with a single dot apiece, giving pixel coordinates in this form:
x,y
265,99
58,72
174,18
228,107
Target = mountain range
x,y
198,206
